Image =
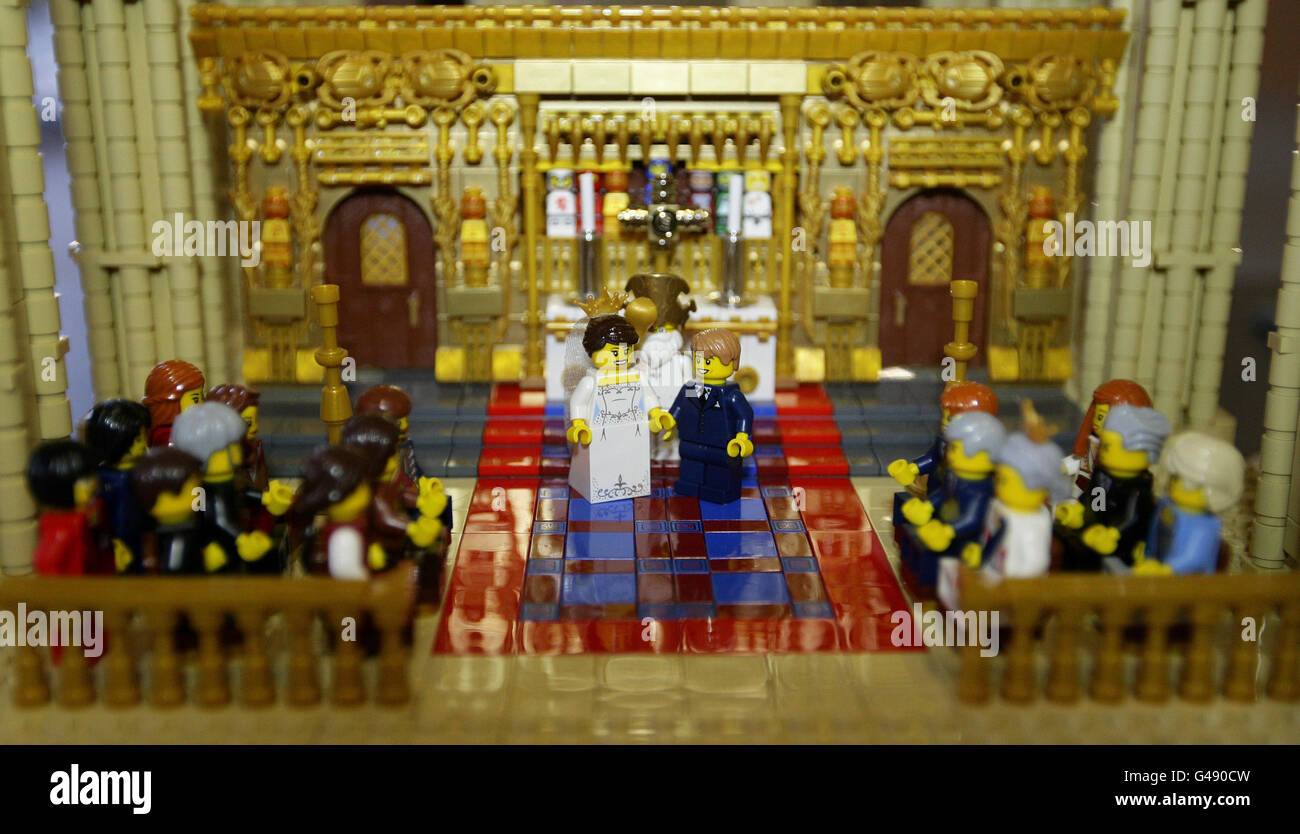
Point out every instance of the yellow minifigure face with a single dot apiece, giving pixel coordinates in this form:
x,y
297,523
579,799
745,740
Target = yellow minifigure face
x,y
138,447
83,491
351,507
712,370
403,424
1099,417
390,469
1011,490
945,417
967,466
221,466
610,354
250,419
194,396
1117,460
170,507
1187,498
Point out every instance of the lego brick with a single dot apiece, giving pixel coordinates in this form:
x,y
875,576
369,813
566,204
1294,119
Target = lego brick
x,y
660,77
602,78
550,77
777,78
719,77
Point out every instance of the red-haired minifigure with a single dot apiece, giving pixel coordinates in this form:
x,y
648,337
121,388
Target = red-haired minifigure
x,y
1084,455
172,387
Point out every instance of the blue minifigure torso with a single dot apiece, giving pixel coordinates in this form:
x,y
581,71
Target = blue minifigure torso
x,y
122,514
931,464
1186,542
962,503
708,417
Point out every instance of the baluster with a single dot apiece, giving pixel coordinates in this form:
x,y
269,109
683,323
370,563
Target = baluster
x,y
1284,676
1063,677
973,685
121,684
257,690
1243,662
1019,685
166,689
1153,669
214,683
75,689
31,688
304,683
1198,666
348,687
1108,668
394,688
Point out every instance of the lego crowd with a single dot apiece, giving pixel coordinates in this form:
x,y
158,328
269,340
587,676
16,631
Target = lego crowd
x,y
177,484
1016,505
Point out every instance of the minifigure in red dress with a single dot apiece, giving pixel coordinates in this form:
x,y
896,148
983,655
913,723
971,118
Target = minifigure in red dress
x,y
334,483
61,477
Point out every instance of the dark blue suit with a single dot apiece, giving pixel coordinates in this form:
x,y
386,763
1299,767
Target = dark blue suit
x,y
123,515
708,417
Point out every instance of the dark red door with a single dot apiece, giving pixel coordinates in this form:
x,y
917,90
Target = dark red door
x,y
933,238
379,250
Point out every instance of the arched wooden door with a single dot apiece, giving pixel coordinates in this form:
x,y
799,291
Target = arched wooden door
x,y
933,238
379,250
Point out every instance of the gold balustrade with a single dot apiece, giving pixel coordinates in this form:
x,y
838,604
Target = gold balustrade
x,y
154,604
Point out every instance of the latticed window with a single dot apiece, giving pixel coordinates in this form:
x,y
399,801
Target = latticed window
x,y
930,261
383,251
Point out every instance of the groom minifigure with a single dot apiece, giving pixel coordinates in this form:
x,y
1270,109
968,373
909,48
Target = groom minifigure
x,y
713,420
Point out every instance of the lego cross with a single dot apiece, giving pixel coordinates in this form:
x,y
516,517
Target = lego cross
x,y
663,220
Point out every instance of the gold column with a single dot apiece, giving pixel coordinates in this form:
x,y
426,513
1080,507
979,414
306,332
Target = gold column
x,y
33,268
790,106
961,350
533,371
335,405
88,214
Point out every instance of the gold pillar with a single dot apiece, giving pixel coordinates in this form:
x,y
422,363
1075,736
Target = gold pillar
x,y
790,106
533,371
961,350
335,405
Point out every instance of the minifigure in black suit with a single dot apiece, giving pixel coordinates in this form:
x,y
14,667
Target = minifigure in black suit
x,y
714,421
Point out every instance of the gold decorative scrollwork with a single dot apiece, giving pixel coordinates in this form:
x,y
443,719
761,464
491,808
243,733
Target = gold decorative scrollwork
x,y
258,80
969,79
1059,82
444,78
875,79
359,76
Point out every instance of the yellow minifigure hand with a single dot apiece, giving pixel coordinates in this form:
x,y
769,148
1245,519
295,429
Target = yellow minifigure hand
x,y
252,546
425,531
277,497
661,421
122,555
1070,514
376,558
1101,539
433,499
904,471
935,535
740,446
970,554
917,511
214,558
578,432
1152,567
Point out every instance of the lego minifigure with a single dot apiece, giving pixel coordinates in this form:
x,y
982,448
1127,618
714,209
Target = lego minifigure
x,y
1115,512
1017,539
842,237
713,421
701,183
214,433
957,398
117,431
612,412
655,169
334,482
953,514
165,482
1084,455
395,514
277,238
757,205
172,387
61,478
1205,479
394,404
474,257
561,204
667,366
244,400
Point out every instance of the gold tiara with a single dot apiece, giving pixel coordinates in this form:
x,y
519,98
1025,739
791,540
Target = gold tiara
x,y
607,302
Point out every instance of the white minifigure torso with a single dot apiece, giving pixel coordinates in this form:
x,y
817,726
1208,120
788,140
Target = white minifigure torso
x,y
616,406
346,554
757,215
1025,547
561,214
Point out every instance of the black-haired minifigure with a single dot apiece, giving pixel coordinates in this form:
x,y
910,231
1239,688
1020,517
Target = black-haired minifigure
x,y
61,478
117,432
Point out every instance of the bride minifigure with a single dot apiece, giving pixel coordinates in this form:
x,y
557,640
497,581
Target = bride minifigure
x,y
612,413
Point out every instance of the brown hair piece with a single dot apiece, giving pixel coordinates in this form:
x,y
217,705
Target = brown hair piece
x,y
163,389
328,476
236,396
386,400
718,342
374,437
163,469
608,330
969,396
1112,392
